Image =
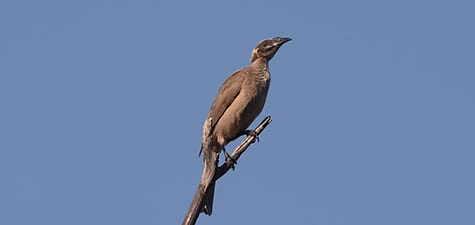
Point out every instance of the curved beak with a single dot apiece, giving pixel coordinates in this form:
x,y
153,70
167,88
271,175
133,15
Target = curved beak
x,y
283,40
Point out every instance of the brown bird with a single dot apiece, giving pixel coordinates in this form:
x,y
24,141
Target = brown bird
x,y
238,102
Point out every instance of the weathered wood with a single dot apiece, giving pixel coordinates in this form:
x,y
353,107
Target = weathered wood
x,y
196,204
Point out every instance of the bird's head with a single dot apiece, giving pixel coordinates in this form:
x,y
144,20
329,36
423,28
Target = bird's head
x,y
267,48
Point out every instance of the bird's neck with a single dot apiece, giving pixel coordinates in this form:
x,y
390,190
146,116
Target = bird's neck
x,y
261,64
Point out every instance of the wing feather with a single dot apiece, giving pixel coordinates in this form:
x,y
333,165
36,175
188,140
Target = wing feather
x,y
228,92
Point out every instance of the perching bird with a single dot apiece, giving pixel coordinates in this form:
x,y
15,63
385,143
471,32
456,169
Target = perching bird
x,y
238,102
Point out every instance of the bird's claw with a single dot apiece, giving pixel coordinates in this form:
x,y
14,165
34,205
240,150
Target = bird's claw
x,y
229,158
252,133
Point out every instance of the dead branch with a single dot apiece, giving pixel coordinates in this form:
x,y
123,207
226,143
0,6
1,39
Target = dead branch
x,y
194,211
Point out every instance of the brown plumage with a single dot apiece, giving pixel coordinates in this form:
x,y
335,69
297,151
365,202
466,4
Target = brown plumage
x,y
238,102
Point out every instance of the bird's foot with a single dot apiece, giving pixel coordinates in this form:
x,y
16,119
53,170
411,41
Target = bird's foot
x,y
229,158
252,133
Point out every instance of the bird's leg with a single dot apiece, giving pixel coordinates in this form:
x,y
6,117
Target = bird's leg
x,y
251,133
228,157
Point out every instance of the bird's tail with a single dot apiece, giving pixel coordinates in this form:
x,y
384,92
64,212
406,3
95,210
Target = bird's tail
x,y
210,158
208,200
207,183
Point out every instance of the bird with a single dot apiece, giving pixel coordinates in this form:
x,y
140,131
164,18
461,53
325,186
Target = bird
x,y
238,102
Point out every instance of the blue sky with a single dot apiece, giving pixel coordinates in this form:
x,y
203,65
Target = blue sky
x,y
102,104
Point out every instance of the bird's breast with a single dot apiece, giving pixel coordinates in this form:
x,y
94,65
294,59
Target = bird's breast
x,y
264,78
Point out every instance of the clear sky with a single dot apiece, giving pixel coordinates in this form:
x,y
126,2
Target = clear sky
x,y
102,105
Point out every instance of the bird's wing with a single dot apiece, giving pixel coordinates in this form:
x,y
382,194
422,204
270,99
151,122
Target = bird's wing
x,y
226,95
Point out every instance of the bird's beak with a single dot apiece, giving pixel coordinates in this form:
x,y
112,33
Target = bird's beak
x,y
283,40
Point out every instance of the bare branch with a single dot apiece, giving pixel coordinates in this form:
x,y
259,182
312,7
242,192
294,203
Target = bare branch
x,y
196,204
223,169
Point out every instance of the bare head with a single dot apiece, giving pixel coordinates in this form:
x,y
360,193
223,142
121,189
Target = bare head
x,y
267,48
